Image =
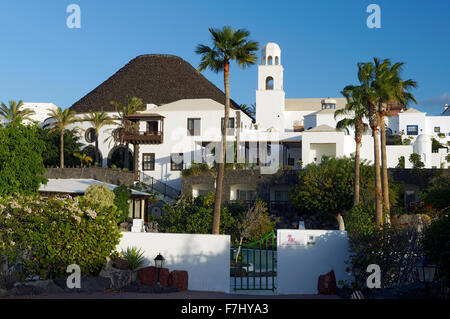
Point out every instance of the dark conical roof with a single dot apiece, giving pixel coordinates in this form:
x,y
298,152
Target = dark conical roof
x,y
155,78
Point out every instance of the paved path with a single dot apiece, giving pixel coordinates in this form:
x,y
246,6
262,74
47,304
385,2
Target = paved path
x,y
177,295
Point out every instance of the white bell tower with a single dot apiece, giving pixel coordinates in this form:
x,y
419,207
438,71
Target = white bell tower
x,y
270,96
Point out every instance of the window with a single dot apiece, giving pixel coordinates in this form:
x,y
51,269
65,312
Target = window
x,y
281,196
246,195
152,127
269,83
90,135
277,60
412,130
270,60
291,161
193,126
230,129
437,129
176,161
148,162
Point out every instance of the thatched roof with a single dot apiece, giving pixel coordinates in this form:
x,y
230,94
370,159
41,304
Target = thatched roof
x,y
155,78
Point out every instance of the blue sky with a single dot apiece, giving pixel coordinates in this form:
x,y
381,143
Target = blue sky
x,y
41,60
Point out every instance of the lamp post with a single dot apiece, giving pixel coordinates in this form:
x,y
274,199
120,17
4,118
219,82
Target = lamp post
x,y
426,269
356,269
159,262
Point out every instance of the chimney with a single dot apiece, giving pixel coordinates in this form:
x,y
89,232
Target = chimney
x,y
445,107
151,106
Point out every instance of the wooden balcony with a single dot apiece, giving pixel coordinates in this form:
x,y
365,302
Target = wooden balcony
x,y
155,137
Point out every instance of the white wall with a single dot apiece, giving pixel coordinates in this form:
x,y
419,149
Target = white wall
x,y
299,267
206,258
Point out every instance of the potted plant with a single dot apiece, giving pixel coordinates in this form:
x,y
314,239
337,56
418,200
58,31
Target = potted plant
x,y
136,260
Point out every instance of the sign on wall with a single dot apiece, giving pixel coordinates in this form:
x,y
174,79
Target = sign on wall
x,y
293,239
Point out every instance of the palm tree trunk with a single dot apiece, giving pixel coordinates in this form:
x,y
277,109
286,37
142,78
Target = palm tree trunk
x,y
61,151
357,173
384,176
219,181
97,157
378,190
126,158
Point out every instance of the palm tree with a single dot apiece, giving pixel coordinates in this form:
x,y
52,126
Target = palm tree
x,y
389,87
15,111
98,120
132,105
250,110
228,45
62,119
366,76
357,111
84,158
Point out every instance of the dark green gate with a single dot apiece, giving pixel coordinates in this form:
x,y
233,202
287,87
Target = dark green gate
x,y
255,268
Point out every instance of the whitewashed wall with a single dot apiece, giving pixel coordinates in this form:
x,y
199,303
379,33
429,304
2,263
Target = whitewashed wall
x,y
206,258
299,266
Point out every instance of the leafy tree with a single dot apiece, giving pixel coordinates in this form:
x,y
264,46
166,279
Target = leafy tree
x,y
15,112
51,152
436,145
121,201
131,106
327,188
250,110
62,119
401,162
21,167
415,159
84,158
100,194
355,106
194,216
98,120
228,45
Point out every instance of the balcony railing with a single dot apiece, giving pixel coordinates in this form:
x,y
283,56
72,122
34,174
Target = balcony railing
x,y
144,137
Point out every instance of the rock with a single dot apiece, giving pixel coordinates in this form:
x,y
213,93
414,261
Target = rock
x,y
88,284
121,263
327,283
118,278
125,226
179,279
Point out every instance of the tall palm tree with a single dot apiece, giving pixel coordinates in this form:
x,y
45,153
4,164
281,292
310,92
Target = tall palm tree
x,y
15,111
355,112
132,105
228,45
366,76
62,119
98,120
389,87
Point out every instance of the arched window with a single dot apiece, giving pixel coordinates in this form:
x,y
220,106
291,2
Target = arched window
x,y
277,60
269,83
263,62
270,60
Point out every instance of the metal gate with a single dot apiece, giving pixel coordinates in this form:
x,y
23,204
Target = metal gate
x,y
255,266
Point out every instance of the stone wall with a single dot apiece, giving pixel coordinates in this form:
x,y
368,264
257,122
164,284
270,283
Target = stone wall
x,y
105,175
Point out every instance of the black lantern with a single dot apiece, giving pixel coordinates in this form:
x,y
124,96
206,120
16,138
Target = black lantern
x,y
159,262
426,269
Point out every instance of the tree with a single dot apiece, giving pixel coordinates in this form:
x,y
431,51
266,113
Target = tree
x,y
100,194
415,159
21,168
84,158
365,76
62,120
228,45
121,200
401,162
131,106
15,111
98,120
356,108
250,110
51,152
389,87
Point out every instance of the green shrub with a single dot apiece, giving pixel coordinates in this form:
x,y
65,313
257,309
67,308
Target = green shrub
x,y
121,201
44,236
416,160
195,169
436,243
401,162
135,258
100,194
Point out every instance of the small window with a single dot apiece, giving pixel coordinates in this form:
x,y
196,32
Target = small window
x,y
231,127
277,60
176,161
193,126
152,127
412,130
270,60
148,162
269,83
246,195
291,161
437,129
90,135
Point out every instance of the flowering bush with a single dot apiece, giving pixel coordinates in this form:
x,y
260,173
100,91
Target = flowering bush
x,y
41,237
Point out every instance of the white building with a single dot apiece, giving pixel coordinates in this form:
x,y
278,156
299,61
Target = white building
x,y
184,112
